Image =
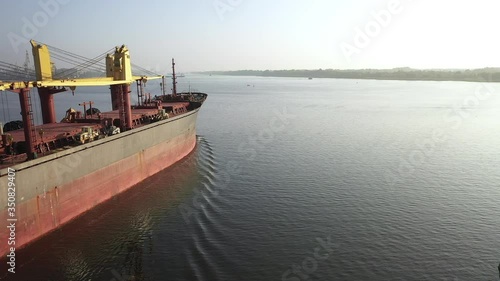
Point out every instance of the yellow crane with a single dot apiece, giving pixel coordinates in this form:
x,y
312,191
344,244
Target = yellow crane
x,y
118,76
118,71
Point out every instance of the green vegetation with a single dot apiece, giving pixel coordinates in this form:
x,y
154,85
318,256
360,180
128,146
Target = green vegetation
x,y
475,75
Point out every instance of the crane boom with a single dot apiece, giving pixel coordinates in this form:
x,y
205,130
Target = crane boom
x,y
118,69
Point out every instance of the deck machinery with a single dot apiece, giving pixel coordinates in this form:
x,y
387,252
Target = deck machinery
x,y
118,76
77,172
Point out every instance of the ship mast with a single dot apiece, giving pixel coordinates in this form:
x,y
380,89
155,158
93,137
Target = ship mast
x,y
174,81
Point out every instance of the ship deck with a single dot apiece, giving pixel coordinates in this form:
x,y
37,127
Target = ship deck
x,y
55,135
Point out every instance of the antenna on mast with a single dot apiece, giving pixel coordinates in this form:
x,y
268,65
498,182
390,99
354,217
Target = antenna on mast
x,y
174,81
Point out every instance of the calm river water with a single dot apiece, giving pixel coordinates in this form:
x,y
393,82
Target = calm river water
x,y
326,179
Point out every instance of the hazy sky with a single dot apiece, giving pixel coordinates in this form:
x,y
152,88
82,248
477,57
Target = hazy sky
x,y
258,34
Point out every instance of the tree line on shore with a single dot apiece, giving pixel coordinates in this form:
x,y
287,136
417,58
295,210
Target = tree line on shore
x,y
473,75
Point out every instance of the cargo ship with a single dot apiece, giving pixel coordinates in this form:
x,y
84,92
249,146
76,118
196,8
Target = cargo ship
x,y
53,172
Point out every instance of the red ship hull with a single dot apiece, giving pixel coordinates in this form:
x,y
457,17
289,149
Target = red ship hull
x,y
52,192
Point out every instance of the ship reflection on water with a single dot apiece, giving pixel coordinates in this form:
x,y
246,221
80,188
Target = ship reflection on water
x,y
137,244
112,241
324,175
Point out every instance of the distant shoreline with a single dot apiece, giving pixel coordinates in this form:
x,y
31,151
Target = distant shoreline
x,y
401,74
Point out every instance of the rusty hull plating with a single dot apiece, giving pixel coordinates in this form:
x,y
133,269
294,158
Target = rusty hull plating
x,y
58,178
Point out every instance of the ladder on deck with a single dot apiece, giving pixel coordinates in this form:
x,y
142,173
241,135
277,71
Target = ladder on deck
x,y
31,120
121,110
